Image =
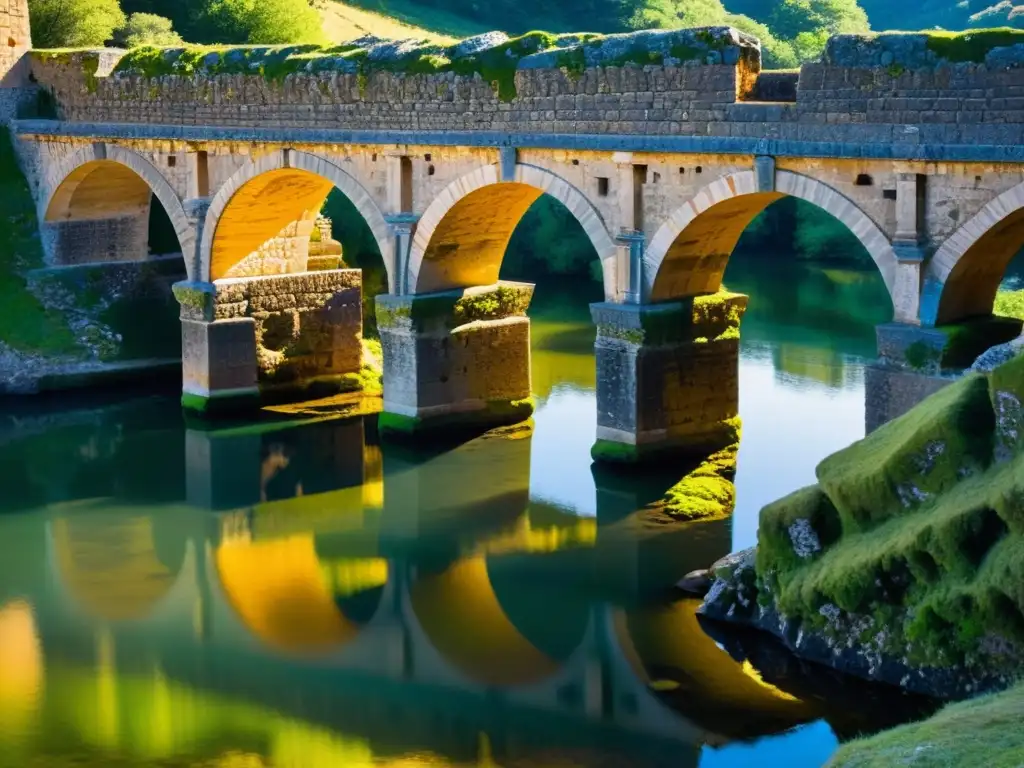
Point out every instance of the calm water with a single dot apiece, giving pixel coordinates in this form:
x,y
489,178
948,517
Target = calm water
x,y
295,594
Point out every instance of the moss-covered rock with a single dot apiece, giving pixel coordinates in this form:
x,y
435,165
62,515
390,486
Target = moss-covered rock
x,y
905,562
707,492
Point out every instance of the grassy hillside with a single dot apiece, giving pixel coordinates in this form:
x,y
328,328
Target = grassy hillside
x,y
343,22
395,19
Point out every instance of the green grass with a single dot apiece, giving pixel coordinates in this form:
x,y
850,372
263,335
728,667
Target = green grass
x,y
434,19
25,324
983,733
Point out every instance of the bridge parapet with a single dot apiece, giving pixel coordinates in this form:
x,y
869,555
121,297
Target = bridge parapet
x,y
884,89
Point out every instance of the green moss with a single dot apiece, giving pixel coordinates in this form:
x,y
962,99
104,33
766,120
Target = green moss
x,y
90,66
973,45
1009,304
917,456
706,493
496,65
922,356
25,324
895,70
982,732
775,539
503,301
632,335
915,535
193,297
389,317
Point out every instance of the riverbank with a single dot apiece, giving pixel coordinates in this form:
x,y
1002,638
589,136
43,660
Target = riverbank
x,y
982,732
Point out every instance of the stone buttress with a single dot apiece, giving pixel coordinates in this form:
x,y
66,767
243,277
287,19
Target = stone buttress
x,y
247,340
667,377
456,358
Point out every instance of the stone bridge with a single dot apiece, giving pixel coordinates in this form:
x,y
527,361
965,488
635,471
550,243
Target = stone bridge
x,y
916,149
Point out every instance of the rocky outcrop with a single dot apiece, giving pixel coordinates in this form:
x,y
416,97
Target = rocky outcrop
x,y
905,562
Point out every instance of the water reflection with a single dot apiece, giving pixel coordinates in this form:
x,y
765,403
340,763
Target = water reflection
x,y
294,594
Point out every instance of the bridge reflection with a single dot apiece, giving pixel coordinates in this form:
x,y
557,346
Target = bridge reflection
x,y
313,601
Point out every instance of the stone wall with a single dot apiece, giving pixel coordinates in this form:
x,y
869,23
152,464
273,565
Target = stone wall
x,y
631,99
880,89
308,326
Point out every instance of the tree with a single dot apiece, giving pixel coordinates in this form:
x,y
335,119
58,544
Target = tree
x,y
267,22
672,14
146,29
73,23
791,17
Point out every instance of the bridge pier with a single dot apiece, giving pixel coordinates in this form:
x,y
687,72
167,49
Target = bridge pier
x,y
456,358
274,337
667,377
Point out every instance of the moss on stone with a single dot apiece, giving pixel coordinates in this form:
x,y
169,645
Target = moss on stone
x,y
973,45
912,543
707,492
503,301
921,356
920,455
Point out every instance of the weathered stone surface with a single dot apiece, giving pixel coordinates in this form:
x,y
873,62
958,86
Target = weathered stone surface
x,y
696,582
997,355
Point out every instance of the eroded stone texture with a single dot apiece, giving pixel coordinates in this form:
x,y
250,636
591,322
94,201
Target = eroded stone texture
x,y
272,335
667,376
308,327
456,357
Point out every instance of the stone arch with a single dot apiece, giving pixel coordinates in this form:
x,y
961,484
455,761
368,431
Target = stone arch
x,y
688,254
308,176
103,180
962,278
461,238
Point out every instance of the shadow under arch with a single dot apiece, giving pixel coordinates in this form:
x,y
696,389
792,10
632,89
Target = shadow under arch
x,y
463,613
962,278
462,236
282,593
117,567
265,196
688,254
104,181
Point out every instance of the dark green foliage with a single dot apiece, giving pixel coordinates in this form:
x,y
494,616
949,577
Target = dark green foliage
x,y
24,323
360,251
146,29
73,23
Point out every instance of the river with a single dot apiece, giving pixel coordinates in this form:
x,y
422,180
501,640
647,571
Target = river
x,y
293,593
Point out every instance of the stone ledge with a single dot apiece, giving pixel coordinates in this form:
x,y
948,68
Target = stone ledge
x,y
886,145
